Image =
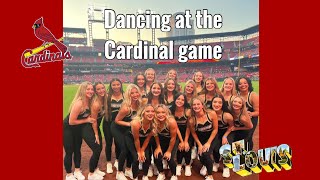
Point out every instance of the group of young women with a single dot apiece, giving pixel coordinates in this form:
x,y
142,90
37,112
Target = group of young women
x,y
158,125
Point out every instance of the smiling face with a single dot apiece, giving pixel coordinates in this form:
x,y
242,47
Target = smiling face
x,y
237,103
180,101
89,91
161,114
134,94
198,77
156,90
150,75
197,105
228,85
243,85
189,88
217,104
140,81
210,85
116,86
171,85
149,113
100,90
172,74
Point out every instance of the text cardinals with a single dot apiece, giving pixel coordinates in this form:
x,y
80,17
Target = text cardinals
x,y
34,60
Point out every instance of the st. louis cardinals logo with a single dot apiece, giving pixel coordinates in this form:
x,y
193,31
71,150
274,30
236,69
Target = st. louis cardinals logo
x,y
30,57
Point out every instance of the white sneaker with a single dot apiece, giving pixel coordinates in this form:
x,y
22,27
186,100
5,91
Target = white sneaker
x,y
155,170
100,173
120,176
116,164
150,171
187,171
178,170
161,176
70,177
94,176
173,178
140,166
78,175
109,168
203,171
128,173
226,172
209,178
194,153
145,178
215,167
165,164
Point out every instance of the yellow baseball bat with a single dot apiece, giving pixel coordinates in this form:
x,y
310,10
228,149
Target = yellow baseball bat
x,y
40,48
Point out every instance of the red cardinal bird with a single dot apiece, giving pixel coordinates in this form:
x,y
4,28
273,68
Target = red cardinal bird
x,y
43,33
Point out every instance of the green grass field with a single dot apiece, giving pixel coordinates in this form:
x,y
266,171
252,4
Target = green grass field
x,y
70,90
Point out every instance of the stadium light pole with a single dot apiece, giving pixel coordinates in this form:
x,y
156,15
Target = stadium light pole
x,y
239,60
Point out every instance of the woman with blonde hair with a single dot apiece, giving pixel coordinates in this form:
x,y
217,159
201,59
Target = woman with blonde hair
x,y
91,132
79,114
137,141
129,107
166,128
203,125
150,74
190,90
210,90
241,120
198,78
228,89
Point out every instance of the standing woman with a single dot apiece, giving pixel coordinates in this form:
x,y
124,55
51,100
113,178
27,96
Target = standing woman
x,y
170,91
91,132
151,77
181,113
204,129
128,109
79,114
114,101
245,90
174,75
225,125
140,80
137,141
198,78
166,127
210,91
190,91
228,89
241,120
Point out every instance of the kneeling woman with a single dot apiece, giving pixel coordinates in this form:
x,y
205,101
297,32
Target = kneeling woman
x,y
137,141
204,129
166,127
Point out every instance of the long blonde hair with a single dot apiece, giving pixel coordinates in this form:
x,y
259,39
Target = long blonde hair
x,y
127,98
233,91
194,93
168,114
105,99
81,95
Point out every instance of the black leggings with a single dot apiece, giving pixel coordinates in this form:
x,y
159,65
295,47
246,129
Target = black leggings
x,y
72,142
89,138
184,154
216,153
135,163
164,143
205,157
109,140
254,121
119,133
